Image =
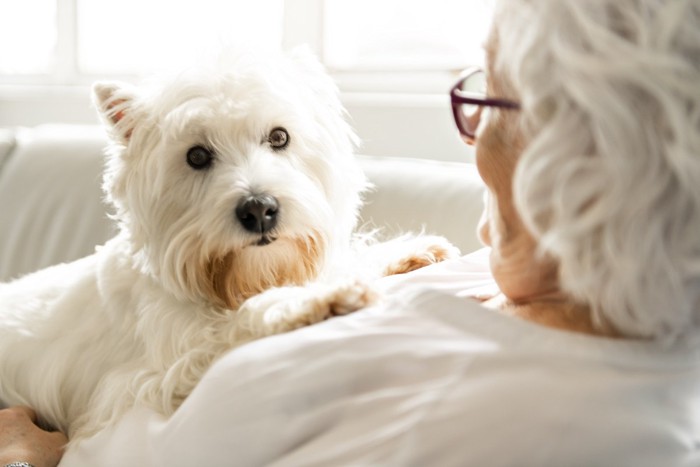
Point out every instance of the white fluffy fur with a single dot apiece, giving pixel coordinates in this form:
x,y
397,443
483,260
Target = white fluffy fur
x,y
143,318
610,183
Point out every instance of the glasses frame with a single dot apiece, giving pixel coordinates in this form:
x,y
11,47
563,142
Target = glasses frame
x,y
459,97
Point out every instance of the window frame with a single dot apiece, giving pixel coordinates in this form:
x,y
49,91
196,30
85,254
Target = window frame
x,y
379,102
65,71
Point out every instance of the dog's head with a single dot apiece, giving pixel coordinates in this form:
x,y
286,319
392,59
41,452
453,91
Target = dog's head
x,y
232,179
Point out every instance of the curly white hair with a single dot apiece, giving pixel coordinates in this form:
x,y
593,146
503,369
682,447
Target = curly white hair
x,y
609,183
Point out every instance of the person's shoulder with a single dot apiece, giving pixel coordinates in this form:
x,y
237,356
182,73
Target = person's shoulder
x,y
441,380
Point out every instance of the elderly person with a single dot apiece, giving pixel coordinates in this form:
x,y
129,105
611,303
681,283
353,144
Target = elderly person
x,y
588,141
593,212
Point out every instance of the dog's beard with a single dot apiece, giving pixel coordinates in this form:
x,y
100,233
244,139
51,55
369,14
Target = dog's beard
x,y
230,277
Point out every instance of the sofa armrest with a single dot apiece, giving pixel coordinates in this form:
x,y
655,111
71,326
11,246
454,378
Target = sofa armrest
x,y
52,200
413,195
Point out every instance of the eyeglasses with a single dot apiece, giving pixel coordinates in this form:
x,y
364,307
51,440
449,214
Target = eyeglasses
x,y
468,98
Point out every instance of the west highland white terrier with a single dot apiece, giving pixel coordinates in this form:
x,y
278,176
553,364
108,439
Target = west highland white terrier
x,y
236,193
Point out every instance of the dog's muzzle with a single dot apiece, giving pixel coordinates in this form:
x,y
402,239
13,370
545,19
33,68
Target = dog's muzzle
x,y
258,214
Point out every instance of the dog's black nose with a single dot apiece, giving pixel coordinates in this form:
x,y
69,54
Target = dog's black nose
x,y
258,213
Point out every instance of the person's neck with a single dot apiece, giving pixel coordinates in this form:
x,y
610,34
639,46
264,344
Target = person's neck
x,y
554,311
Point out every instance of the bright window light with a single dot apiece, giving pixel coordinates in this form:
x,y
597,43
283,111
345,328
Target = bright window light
x,y
405,34
137,36
27,36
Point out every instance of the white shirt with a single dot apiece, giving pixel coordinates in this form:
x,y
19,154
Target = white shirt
x,y
430,378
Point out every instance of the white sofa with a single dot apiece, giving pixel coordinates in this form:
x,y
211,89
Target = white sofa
x,y
52,209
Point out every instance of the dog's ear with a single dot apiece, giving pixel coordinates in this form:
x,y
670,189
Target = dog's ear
x,y
115,103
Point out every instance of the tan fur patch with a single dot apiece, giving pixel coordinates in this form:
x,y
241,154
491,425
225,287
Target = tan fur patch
x,y
228,284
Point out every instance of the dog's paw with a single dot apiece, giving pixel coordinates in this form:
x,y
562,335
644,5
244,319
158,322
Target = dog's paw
x,y
287,308
348,297
422,251
335,300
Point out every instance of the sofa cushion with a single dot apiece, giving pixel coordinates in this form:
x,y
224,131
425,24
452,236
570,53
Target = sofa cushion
x,y
52,200
7,144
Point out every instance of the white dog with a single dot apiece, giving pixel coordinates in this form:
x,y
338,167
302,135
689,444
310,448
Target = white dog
x,y
236,193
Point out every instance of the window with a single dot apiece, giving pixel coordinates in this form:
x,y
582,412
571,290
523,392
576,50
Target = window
x,y
394,60
71,41
133,36
31,23
403,35
74,38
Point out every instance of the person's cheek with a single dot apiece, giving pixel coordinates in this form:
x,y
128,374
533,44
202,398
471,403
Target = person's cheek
x,y
483,148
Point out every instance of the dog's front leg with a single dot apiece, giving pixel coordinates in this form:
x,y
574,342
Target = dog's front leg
x,y
405,254
284,309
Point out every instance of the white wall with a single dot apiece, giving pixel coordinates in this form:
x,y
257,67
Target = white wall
x,y
405,125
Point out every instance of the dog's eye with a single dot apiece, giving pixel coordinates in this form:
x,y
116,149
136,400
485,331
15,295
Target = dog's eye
x,y
199,158
279,138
